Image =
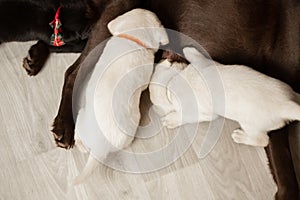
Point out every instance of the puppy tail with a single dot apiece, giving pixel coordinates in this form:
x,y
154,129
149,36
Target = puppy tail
x,y
90,166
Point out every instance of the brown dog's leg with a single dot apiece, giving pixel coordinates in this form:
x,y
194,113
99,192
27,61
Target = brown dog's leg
x,y
281,165
36,58
63,126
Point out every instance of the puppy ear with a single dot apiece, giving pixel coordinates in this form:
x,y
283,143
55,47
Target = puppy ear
x,y
114,25
111,27
164,39
193,55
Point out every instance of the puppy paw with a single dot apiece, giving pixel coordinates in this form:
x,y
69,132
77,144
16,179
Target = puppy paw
x,y
259,140
172,120
239,136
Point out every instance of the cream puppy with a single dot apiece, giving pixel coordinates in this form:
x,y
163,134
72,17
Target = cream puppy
x,y
258,102
163,73
109,115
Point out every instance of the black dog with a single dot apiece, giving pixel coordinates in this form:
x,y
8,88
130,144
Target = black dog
x,y
29,20
263,34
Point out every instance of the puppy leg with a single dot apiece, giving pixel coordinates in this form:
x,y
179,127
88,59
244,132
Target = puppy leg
x,y
36,58
253,139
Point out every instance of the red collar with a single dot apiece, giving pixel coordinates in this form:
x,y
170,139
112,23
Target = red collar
x,y
56,17
134,39
56,38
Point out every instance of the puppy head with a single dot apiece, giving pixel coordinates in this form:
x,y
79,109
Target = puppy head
x,y
158,89
164,101
142,24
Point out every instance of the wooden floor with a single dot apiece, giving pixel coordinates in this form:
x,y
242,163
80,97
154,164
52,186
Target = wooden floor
x,y
33,168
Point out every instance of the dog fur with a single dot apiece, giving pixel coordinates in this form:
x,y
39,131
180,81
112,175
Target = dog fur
x,y
258,102
163,73
29,20
262,34
146,27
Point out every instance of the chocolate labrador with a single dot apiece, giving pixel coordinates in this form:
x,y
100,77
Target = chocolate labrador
x,y
30,20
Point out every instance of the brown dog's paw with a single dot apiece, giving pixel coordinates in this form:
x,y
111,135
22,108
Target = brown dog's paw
x,y
63,132
30,67
37,56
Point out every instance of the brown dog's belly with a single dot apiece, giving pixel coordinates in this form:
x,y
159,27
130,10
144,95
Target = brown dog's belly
x,y
262,35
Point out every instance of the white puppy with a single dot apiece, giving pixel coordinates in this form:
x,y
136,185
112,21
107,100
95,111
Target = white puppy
x,y
163,73
108,119
258,102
